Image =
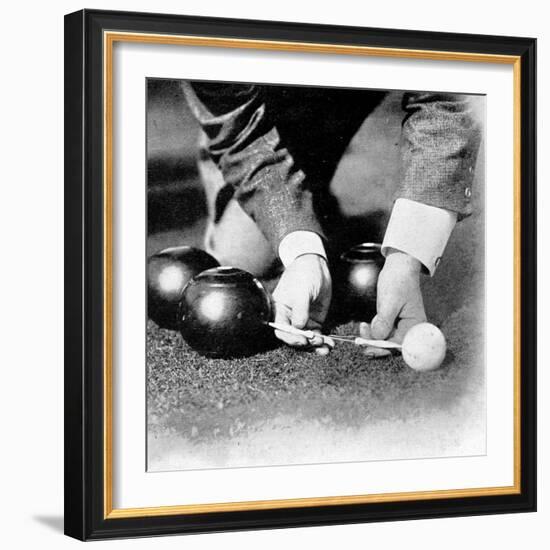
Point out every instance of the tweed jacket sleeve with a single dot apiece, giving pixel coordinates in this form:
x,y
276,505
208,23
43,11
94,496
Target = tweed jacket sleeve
x,y
245,144
440,142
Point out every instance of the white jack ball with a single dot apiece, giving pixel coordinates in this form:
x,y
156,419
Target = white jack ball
x,y
424,347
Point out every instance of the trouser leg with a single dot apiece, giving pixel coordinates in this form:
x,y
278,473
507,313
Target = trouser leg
x,y
350,205
231,236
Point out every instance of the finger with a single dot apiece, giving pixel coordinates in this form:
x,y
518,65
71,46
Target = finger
x,y
282,315
387,309
290,339
317,340
300,311
329,342
375,353
364,331
381,326
322,350
321,344
388,306
321,340
370,351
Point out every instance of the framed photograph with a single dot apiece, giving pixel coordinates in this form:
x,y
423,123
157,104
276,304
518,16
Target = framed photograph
x,y
300,274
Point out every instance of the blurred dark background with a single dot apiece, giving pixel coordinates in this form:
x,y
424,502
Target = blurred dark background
x,y
175,197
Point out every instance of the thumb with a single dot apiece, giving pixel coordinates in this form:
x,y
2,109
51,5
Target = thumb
x,y
383,322
300,311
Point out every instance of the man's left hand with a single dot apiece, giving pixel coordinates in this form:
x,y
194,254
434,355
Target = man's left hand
x,y
399,302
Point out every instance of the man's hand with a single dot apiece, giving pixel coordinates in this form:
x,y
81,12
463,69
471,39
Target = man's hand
x,y
399,303
302,299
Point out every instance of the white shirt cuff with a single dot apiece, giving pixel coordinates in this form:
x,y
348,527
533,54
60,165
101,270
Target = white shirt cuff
x,y
298,243
420,230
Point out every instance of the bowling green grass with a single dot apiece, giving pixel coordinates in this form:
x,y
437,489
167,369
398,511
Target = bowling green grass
x,y
289,406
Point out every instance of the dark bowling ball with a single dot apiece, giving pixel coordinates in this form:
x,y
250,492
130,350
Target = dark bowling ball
x,y
356,280
168,271
224,312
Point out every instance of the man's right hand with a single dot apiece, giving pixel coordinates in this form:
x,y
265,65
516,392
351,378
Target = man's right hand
x,y
302,299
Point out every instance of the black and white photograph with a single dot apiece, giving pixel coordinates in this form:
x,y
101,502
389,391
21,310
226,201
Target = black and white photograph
x,y
300,276
315,275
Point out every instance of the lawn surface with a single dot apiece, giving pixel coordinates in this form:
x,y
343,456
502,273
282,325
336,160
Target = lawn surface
x,y
214,413
286,406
